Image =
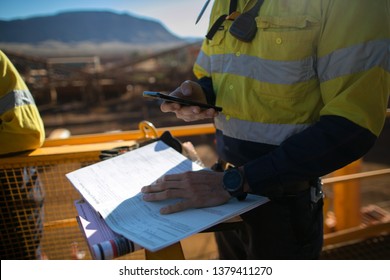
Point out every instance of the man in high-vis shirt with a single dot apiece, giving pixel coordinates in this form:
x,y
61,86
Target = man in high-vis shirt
x,y
21,194
304,87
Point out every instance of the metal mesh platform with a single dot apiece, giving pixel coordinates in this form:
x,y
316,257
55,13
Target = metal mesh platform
x,y
376,248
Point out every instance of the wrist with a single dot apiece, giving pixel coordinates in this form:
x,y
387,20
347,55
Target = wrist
x,y
245,185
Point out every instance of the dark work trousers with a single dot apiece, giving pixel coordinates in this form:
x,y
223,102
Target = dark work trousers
x,y
290,227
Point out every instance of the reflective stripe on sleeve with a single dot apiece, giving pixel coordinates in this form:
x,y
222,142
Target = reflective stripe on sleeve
x,y
357,58
14,99
272,134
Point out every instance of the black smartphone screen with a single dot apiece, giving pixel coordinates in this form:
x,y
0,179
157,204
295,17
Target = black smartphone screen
x,y
181,101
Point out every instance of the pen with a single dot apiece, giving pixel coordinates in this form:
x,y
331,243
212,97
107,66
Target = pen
x,y
202,11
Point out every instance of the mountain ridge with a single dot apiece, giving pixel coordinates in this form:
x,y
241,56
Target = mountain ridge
x,y
86,26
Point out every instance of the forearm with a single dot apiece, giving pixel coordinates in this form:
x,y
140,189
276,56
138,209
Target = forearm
x,y
330,144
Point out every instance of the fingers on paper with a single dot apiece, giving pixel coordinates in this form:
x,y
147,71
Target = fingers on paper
x,y
177,207
162,194
163,183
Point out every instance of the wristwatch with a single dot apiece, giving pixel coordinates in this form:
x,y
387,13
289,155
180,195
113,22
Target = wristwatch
x,y
233,182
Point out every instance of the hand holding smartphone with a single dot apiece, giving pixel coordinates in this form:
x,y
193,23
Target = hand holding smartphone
x,y
181,101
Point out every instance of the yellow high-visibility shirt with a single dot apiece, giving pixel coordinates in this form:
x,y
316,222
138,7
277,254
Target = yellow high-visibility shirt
x,y
309,58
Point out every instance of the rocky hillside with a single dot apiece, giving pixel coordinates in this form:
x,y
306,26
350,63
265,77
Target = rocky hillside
x,y
85,26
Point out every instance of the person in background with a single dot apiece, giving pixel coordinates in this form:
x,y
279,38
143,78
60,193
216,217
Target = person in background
x,y
304,86
21,193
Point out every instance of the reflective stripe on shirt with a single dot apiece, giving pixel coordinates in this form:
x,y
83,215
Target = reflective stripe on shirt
x,y
355,59
339,63
272,134
14,99
262,70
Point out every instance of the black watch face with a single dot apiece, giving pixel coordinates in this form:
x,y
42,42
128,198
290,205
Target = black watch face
x,y
232,180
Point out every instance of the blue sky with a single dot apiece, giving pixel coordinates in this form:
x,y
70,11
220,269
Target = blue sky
x,y
178,16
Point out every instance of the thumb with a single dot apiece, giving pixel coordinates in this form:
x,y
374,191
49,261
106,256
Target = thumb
x,y
186,88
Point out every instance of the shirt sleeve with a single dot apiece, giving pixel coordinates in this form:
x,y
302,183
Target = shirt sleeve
x,y
21,126
207,85
330,144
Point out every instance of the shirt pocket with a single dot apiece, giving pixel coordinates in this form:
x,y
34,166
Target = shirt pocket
x,y
287,38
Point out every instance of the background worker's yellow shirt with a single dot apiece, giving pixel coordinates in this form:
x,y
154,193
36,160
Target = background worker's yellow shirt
x,y
21,126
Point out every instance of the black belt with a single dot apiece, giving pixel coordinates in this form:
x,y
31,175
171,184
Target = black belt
x,y
288,189
296,187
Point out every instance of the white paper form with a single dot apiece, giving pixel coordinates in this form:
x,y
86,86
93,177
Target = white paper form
x,y
107,183
112,187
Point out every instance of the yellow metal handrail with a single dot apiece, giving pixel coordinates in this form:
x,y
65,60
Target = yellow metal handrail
x,y
349,177
177,131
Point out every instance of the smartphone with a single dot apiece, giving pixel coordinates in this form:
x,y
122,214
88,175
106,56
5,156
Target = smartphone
x,y
186,102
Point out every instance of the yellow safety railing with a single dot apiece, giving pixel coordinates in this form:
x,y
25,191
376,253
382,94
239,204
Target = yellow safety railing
x,y
178,131
349,198
62,238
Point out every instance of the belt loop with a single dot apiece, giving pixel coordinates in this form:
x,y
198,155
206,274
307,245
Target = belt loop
x,y
316,191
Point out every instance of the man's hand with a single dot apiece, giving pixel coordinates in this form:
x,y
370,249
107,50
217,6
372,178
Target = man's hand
x,y
192,91
195,189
